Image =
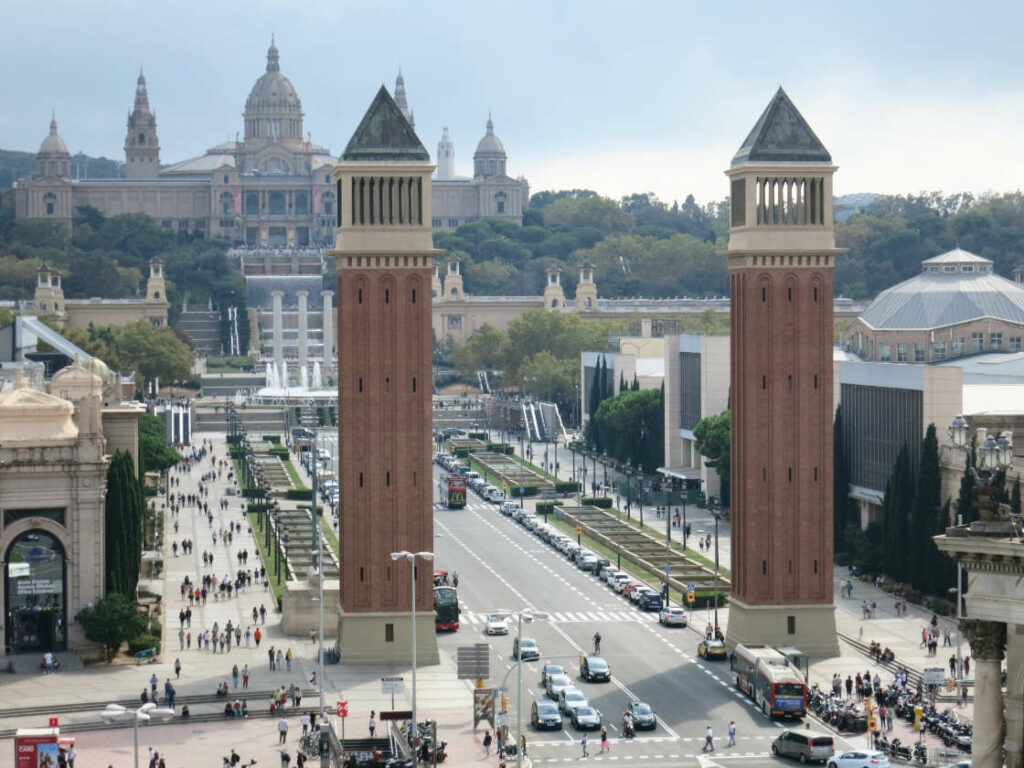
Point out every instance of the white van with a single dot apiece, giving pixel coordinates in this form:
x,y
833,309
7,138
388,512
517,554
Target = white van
x,y
496,496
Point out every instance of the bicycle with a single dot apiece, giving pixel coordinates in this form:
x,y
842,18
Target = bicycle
x,y
310,744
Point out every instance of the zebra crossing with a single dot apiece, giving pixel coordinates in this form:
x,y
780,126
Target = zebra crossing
x,y
574,617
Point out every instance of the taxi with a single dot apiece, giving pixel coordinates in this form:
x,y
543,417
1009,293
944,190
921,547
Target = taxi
x,y
711,649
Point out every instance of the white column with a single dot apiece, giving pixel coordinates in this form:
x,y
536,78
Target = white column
x,y
303,328
328,326
988,640
278,342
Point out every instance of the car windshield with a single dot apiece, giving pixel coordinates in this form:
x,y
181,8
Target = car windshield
x,y
789,689
595,662
529,644
554,669
559,679
495,618
641,709
546,708
574,695
716,644
585,711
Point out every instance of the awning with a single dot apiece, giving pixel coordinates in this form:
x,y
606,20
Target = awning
x,y
681,473
869,495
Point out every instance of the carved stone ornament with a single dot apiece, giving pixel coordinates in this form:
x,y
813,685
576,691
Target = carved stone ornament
x,y
987,638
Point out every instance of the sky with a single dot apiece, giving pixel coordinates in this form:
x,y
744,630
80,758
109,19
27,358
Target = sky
x,y
619,97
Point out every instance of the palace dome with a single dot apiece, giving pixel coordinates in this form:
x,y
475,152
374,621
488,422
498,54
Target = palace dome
x,y
53,144
490,144
30,416
273,92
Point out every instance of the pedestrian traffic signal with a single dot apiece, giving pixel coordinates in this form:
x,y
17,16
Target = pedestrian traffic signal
x,y
918,714
504,703
690,596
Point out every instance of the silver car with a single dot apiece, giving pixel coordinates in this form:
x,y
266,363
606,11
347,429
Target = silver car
x,y
557,683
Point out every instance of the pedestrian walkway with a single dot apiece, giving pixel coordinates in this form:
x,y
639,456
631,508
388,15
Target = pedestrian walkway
x,y
577,617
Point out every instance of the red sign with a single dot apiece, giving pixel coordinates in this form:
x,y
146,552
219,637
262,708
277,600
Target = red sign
x,y
342,709
53,722
35,751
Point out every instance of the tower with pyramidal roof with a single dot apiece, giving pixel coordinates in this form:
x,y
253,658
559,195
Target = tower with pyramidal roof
x,y
781,258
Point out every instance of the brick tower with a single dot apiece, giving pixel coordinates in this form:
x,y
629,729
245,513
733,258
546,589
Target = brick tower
x,y
781,258
384,254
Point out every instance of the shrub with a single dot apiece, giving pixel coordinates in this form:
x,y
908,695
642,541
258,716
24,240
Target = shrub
x,y
547,507
942,607
500,448
528,490
462,452
149,491
912,595
143,643
477,435
603,502
155,628
279,451
299,494
567,486
271,439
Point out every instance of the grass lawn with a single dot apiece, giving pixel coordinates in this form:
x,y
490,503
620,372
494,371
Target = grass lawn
x,y
267,557
293,475
329,537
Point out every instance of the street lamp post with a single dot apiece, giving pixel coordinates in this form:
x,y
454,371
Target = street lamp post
x,y
143,714
411,557
991,455
604,488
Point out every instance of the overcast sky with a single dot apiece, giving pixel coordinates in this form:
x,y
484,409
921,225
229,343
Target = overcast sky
x,y
615,96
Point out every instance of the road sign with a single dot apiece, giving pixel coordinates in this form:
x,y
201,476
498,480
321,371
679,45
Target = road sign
x,y
668,570
504,485
392,684
934,676
342,709
522,490
690,597
689,587
502,718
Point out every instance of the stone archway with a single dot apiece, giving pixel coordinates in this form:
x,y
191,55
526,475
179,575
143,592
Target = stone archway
x,y
35,586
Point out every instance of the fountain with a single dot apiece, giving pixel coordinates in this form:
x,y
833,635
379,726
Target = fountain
x,y
271,377
303,377
283,382
318,380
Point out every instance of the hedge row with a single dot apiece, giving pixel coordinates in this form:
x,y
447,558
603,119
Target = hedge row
x,y
567,486
462,452
508,450
547,507
299,494
603,502
477,435
530,490
279,451
271,438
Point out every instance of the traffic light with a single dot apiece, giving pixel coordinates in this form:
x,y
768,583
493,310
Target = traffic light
x,y
918,714
504,703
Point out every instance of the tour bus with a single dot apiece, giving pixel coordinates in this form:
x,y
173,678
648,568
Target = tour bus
x,y
446,607
455,491
766,676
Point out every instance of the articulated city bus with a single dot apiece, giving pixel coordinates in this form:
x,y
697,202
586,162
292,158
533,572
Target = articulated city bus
x,y
767,677
446,609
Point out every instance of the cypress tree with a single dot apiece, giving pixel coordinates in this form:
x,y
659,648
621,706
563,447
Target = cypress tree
x,y
622,382
592,404
636,384
899,497
925,516
123,513
840,485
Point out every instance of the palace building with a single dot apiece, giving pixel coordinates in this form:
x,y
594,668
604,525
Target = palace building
x,y
269,187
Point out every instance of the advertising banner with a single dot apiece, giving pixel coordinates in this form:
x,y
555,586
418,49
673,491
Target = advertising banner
x,y
35,749
483,706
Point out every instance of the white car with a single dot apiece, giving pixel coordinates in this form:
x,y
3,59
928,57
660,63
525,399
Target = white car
x,y
860,758
497,624
672,617
496,496
613,575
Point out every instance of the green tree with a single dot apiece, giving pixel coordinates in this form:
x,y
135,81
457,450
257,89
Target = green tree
x,y
154,453
114,620
713,438
124,511
921,554
153,351
629,424
896,506
596,212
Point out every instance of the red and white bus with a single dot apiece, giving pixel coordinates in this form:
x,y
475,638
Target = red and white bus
x,y
767,677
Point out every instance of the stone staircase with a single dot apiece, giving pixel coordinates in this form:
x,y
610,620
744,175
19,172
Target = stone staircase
x,y
297,526
257,421
203,331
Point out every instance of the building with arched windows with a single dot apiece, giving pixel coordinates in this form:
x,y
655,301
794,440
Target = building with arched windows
x,y
271,186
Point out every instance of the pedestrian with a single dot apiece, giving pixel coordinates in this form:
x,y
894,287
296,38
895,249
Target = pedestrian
x,y
188,641
373,726
312,635
288,659
604,741
245,676
286,759
282,730
153,683
849,686
234,676
732,733
967,666
177,669
272,657
263,614
304,720
257,636
888,720
72,755
181,639
487,738
248,637
583,744
709,740
952,665
280,660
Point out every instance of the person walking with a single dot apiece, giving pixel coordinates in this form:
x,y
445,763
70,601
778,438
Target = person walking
x,y
282,730
373,725
288,659
709,740
271,656
732,733
245,676
487,738
234,676
888,720
583,744
304,720
177,669
604,741
257,636
280,660
849,686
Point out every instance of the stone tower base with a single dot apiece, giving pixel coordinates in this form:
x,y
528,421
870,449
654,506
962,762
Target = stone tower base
x,y
362,638
815,627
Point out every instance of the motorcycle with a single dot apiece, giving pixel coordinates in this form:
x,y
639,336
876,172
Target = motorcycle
x,y
628,729
896,749
921,753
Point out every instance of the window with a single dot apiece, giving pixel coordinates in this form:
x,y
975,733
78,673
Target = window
x,y
501,206
967,268
901,353
49,209
436,223
958,346
301,204
252,204
949,268
884,353
389,633
1015,343
791,625
939,350
977,342
918,352
995,342
166,224
453,223
276,203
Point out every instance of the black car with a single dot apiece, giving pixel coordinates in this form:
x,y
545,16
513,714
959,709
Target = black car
x,y
527,649
643,715
544,714
595,668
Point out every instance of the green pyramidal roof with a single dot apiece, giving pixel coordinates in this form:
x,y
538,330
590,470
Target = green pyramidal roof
x,y
384,134
781,135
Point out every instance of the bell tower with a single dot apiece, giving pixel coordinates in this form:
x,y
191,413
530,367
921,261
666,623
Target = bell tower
x,y
384,252
586,288
156,287
781,258
554,296
141,146
453,290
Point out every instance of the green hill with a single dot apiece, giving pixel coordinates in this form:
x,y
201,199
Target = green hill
x,y
16,165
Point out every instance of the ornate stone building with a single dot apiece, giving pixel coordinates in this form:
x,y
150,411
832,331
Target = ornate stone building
x,y
781,258
271,187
